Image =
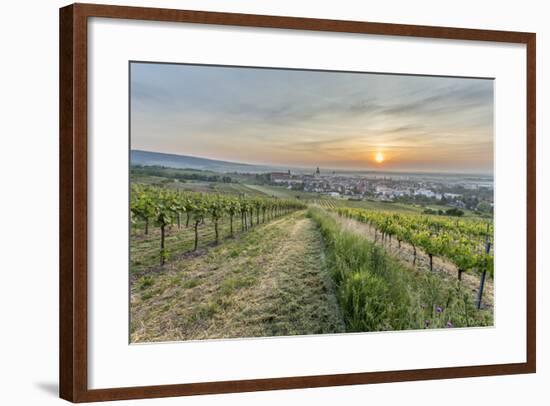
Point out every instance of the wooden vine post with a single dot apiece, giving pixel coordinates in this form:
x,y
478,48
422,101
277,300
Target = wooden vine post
x,y
484,273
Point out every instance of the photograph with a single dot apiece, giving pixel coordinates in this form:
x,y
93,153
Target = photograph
x,y
272,202
214,203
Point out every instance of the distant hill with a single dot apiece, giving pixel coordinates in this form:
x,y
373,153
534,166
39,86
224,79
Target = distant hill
x,y
147,158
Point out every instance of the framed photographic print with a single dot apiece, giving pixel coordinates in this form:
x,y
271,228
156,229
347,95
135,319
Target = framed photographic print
x,y
256,202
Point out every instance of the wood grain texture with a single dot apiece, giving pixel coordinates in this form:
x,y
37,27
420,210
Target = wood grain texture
x,y
66,131
531,174
73,200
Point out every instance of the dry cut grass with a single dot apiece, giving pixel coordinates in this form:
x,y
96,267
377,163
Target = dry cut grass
x,y
271,281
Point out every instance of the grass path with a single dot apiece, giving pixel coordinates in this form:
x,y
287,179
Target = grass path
x,y
405,254
270,281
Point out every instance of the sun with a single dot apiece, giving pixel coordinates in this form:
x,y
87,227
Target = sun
x,y
379,157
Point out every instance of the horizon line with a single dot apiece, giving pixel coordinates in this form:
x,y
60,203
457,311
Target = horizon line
x,y
419,172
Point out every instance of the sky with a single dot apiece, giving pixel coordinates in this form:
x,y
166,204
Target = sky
x,y
300,118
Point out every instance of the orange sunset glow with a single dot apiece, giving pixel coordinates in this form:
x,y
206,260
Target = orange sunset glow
x,y
306,119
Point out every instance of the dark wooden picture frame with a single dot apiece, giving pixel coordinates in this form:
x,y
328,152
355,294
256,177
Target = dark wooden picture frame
x,y
73,201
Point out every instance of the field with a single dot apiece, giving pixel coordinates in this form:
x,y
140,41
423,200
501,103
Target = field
x,y
226,259
284,193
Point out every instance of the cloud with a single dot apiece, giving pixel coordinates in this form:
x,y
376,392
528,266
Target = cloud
x,y
308,115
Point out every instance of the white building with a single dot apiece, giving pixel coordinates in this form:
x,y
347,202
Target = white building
x,y
424,192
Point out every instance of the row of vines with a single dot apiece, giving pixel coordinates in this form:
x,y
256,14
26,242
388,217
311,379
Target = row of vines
x,y
325,203
466,243
161,207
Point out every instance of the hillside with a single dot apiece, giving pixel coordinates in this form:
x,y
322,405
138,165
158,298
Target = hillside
x,y
147,158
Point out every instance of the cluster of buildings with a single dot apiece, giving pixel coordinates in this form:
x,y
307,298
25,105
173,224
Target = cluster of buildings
x,y
358,186
390,193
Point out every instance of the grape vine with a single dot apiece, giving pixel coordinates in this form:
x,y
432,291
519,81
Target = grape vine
x,y
466,243
164,208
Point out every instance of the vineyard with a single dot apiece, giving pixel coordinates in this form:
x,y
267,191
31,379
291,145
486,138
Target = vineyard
x,y
377,293
364,204
466,243
221,264
165,208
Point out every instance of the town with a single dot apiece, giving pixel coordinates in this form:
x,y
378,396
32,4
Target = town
x,y
472,192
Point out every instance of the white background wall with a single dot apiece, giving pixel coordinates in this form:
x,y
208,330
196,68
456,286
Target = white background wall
x,y
29,172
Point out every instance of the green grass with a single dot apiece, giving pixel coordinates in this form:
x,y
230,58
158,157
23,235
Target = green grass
x,y
275,191
377,293
218,187
145,249
145,282
284,193
383,206
236,188
397,207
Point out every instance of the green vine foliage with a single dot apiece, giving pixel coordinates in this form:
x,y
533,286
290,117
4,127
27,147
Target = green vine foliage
x,y
464,242
164,207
